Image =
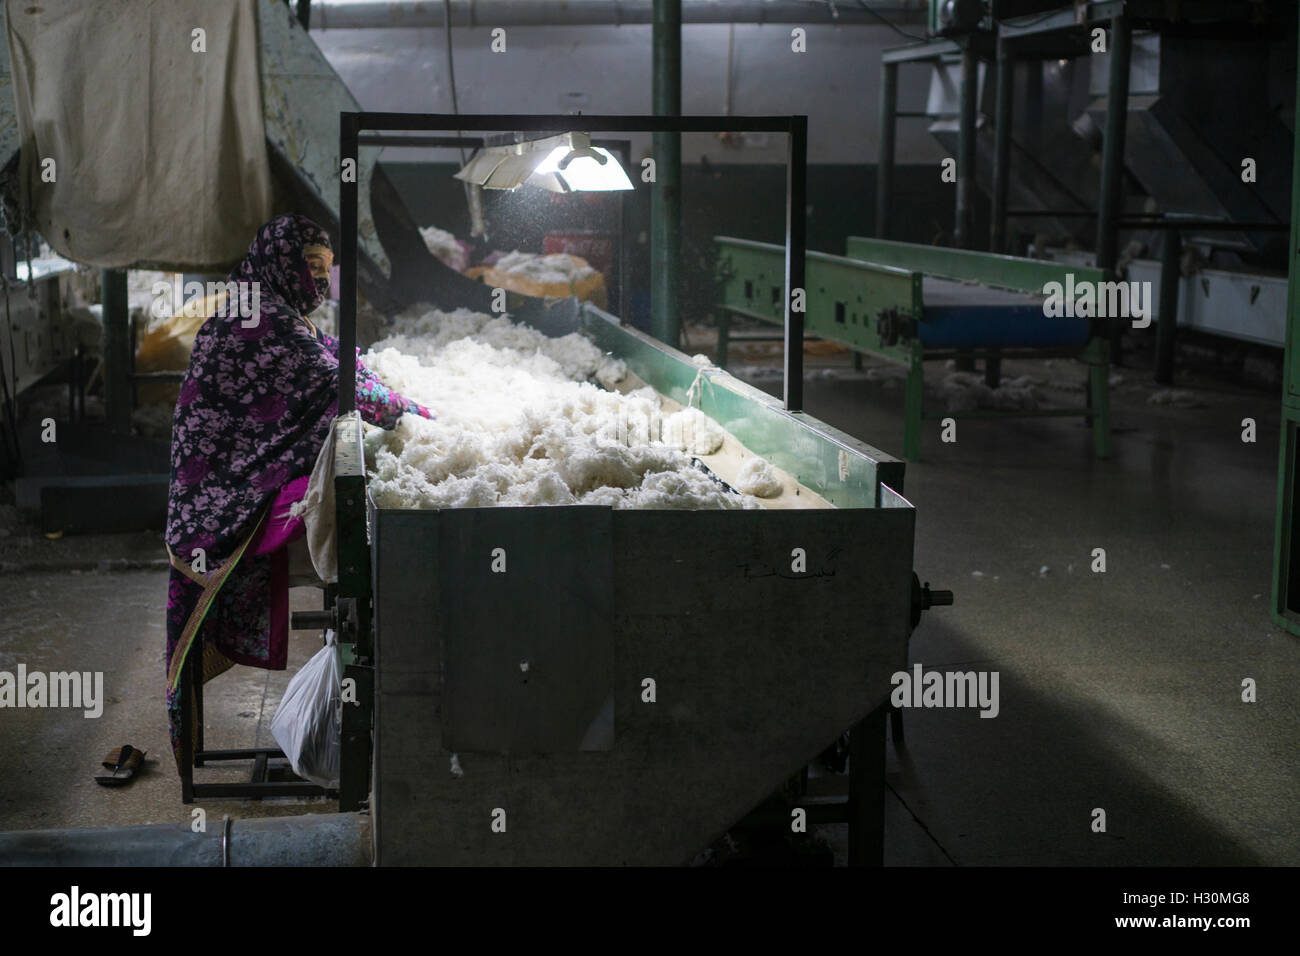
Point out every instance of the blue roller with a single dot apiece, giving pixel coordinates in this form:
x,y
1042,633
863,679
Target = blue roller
x,y
959,315
992,326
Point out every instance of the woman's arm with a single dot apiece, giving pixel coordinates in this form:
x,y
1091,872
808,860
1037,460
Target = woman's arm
x,y
378,404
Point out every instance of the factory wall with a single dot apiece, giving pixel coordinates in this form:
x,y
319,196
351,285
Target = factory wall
x,y
608,70
732,189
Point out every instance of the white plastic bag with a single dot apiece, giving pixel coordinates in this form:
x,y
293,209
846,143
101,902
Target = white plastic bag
x,y
308,724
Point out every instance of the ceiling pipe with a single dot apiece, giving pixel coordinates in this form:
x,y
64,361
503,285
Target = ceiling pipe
x,y
387,14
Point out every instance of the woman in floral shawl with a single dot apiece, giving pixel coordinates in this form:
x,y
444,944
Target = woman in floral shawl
x,y
255,407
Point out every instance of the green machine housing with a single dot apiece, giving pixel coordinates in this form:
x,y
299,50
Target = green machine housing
x,y
908,304
589,686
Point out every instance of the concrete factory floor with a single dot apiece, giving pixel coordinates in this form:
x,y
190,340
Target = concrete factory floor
x,y
1119,691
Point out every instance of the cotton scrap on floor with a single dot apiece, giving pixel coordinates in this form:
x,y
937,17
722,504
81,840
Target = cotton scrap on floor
x,y
966,391
519,423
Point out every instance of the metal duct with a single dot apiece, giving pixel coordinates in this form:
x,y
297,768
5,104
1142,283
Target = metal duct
x,y
335,839
1199,105
380,14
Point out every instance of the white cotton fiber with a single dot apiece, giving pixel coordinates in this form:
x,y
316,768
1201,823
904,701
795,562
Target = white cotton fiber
x,y
443,245
757,477
692,431
519,424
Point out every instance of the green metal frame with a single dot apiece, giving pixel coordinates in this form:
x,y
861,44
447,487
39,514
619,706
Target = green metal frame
x,y
845,471
871,300
355,638
986,268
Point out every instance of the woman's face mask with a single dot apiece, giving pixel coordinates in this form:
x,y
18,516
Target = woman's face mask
x,y
319,259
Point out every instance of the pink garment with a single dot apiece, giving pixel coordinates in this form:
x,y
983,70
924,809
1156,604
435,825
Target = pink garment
x,y
278,531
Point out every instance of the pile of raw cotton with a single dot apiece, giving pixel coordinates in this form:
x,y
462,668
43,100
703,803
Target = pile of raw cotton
x,y
519,423
560,267
445,247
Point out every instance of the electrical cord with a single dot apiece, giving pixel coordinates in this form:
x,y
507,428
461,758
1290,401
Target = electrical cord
x,y
887,22
1029,21
451,67
470,197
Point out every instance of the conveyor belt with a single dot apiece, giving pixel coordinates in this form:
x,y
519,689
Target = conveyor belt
x,y
966,315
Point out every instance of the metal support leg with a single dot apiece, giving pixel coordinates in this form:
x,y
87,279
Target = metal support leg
x,y
912,408
197,690
724,338
355,753
796,237
117,350
857,361
665,193
1170,280
187,730
993,371
1099,393
867,790
74,369
962,238
1112,160
888,127
998,240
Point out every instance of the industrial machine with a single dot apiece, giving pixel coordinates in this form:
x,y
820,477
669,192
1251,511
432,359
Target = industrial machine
x,y
909,304
637,682
98,482
1130,89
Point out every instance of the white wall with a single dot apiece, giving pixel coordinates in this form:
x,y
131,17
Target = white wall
x,y
608,70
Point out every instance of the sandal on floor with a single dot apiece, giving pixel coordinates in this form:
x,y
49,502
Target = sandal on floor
x,y
122,764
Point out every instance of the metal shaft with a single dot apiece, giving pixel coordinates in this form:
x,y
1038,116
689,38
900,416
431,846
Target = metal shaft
x,y
796,230
1112,163
1170,276
962,238
998,239
888,130
117,350
348,272
1112,156
665,192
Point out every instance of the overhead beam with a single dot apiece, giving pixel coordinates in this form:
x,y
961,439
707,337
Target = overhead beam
x,y
388,14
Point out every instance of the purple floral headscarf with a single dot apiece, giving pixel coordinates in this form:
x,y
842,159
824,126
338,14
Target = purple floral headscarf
x,y
254,410
255,404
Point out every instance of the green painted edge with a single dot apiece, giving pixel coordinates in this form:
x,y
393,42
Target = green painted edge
x,y
986,268
845,471
865,289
